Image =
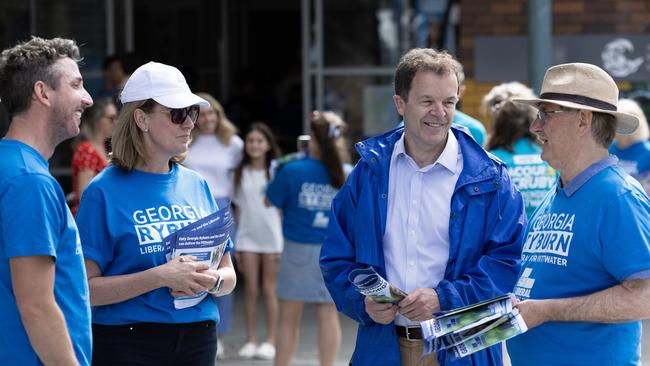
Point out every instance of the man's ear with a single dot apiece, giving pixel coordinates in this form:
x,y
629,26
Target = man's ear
x,y
41,93
585,119
399,104
141,120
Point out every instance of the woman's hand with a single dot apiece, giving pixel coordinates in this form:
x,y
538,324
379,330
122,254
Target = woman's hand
x,y
214,275
184,275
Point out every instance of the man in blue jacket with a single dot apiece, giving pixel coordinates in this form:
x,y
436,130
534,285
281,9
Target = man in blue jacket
x,y
432,212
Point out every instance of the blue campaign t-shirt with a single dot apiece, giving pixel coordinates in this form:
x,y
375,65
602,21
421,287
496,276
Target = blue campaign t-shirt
x,y
35,220
123,217
635,159
475,127
530,174
583,239
302,190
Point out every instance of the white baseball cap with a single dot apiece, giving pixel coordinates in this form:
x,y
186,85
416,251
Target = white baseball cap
x,y
163,83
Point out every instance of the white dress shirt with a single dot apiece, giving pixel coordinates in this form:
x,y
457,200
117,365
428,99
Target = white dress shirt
x,y
416,241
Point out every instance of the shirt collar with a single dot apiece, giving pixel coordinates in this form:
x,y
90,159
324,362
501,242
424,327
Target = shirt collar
x,y
448,158
586,174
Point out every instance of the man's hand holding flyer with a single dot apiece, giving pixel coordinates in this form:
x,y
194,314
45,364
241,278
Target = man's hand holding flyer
x,y
371,284
472,328
461,331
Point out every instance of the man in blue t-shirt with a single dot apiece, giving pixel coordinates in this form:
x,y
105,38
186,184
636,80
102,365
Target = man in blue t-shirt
x,y
585,274
44,301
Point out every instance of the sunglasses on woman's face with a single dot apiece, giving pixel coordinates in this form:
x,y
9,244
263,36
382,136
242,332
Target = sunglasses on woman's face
x,y
178,115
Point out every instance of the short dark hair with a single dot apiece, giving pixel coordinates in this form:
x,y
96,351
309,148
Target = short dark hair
x,y
110,59
28,62
424,59
603,128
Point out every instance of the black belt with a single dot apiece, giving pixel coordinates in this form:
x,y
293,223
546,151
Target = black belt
x,y
410,333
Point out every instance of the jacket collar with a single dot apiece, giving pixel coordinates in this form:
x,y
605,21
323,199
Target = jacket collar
x,y
376,152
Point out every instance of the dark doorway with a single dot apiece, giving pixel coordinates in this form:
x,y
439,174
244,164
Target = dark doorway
x,y
266,68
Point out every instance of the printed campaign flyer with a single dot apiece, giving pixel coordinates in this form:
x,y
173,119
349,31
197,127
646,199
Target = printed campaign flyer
x,y
371,284
472,328
205,239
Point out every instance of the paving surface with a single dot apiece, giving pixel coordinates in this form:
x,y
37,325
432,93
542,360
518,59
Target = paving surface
x,y
307,354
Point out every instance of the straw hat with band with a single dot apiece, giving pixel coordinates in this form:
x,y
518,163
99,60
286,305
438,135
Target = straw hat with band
x,y
583,86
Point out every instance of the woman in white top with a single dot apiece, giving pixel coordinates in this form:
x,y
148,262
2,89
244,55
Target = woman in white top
x,y
214,153
259,237
216,149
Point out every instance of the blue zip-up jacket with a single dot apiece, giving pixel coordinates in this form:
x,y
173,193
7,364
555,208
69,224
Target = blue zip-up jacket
x,y
486,228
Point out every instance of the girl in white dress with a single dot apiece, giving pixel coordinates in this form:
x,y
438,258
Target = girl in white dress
x,y
259,237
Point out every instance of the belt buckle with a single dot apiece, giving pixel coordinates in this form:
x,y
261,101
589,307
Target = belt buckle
x,y
408,334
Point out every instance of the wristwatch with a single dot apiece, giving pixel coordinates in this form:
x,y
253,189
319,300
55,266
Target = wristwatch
x,y
217,286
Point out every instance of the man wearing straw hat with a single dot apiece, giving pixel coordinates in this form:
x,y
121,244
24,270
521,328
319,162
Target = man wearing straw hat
x,y
585,274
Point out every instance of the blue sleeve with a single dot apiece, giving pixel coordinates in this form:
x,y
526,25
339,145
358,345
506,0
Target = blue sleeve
x,y
496,270
478,132
338,252
277,190
32,216
625,235
91,221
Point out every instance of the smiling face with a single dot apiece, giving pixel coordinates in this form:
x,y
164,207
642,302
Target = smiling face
x,y
256,145
208,120
427,114
68,101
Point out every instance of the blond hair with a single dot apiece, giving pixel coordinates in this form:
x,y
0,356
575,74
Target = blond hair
x,y
225,129
502,93
128,138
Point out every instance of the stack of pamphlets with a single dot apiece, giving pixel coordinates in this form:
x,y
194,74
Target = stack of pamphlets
x,y
369,283
472,328
205,239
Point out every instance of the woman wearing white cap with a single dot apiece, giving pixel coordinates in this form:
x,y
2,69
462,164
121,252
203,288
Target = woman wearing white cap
x,y
124,214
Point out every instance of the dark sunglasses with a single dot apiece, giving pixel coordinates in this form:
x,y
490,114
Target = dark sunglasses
x,y
178,115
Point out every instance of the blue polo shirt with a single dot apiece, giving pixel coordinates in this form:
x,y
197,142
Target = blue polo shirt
x,y
586,237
